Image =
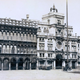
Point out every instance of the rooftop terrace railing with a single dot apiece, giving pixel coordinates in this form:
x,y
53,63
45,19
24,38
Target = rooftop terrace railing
x,y
23,22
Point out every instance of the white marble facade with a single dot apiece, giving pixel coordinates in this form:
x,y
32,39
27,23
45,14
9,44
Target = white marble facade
x,y
52,40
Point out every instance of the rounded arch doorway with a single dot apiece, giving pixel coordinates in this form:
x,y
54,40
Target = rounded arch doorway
x,y
27,64
20,64
6,64
13,64
58,61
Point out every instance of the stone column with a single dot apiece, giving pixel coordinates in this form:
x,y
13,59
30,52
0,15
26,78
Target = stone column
x,y
2,65
76,47
15,49
54,64
70,46
70,64
54,42
23,66
63,64
17,66
30,65
37,43
3,48
45,46
37,65
76,64
46,63
9,66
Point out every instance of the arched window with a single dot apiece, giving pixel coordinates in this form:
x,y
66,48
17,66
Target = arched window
x,y
13,50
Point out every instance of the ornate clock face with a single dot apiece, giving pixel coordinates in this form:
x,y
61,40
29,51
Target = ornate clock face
x,y
59,45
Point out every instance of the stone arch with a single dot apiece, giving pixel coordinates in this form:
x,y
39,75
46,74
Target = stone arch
x,y
13,64
20,63
33,63
27,63
13,50
27,59
31,49
5,64
58,61
58,56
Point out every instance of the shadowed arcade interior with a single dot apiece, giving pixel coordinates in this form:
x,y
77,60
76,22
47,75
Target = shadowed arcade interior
x,y
13,64
58,61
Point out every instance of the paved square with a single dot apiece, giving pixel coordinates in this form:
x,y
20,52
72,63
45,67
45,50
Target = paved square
x,y
38,75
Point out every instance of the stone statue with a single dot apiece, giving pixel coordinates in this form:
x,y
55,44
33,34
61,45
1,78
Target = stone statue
x,y
54,9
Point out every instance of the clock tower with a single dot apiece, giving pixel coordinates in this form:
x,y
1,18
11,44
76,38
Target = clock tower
x,y
56,20
53,17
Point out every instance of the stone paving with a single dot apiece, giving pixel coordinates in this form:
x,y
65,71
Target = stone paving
x,y
39,75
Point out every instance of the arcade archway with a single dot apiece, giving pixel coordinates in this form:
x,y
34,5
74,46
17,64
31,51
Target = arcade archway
x,y
58,61
27,63
5,64
13,64
20,64
73,64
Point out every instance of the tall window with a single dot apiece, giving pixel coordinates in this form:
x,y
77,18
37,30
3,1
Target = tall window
x,y
41,46
50,40
66,47
49,54
41,54
73,55
18,51
13,50
73,48
34,37
50,46
41,39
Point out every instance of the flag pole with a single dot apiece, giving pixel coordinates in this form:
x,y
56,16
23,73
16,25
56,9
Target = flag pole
x,y
67,26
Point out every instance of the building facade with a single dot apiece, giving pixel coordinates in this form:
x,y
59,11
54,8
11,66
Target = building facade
x,y
52,42
18,44
27,44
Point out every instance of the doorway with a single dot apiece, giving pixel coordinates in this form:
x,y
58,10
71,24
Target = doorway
x,y
58,61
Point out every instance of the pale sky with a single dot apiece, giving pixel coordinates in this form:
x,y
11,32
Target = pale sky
x,y
17,9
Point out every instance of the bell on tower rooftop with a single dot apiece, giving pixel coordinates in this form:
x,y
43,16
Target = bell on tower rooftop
x,y
54,9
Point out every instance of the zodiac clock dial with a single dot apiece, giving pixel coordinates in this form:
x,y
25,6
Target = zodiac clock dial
x,y
58,45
